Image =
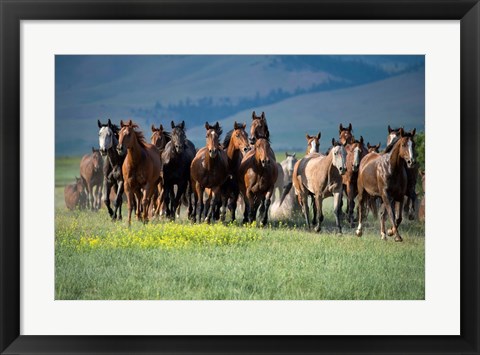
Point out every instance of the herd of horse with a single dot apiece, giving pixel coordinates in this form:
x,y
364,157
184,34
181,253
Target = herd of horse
x,y
158,177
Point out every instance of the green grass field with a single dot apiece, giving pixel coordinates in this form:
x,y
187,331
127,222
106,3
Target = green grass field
x,y
98,259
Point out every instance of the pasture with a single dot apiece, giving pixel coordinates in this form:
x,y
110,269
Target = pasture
x,y
98,259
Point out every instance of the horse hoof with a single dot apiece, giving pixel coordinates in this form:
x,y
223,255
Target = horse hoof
x,y
358,232
398,239
390,232
411,217
318,228
384,236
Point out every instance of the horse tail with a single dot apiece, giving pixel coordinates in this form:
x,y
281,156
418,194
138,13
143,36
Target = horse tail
x,y
286,190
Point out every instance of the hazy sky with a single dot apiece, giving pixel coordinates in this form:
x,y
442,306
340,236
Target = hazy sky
x,y
299,94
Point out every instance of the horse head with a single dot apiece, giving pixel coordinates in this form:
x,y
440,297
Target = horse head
x,y
239,137
107,136
258,128
407,146
159,137
179,137
357,148
262,150
345,134
97,159
373,148
313,143
213,139
339,156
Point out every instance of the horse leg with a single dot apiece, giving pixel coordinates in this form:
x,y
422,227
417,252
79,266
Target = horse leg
x,y
106,196
314,208
252,211
391,214
383,216
306,211
361,211
319,207
413,203
130,202
337,197
268,201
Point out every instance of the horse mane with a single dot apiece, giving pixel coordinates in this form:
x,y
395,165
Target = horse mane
x,y
263,137
228,136
139,134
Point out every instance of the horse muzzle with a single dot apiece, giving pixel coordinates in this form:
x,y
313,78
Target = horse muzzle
x,y
120,149
103,152
213,153
410,162
342,170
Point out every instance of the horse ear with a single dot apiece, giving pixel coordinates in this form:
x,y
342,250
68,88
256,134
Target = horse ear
x,y
207,126
109,123
413,132
286,154
319,135
361,139
93,150
293,155
379,145
263,115
307,136
350,127
161,127
368,145
121,123
389,129
99,124
333,142
244,125
173,124
153,128
217,125
402,132
182,126
235,125
340,128
253,115
129,122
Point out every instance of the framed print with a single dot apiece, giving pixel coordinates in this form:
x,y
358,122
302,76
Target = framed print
x,y
239,177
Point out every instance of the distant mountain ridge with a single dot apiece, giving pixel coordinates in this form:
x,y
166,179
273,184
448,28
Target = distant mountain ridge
x,y
154,89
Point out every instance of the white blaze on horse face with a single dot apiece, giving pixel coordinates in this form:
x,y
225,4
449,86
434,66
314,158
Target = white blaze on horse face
x,y
410,149
313,149
105,139
356,157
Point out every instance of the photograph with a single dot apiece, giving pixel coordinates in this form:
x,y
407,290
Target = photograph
x,y
239,177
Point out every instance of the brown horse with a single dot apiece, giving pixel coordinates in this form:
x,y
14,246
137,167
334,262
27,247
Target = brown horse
x,y
159,139
373,148
321,176
209,169
412,173
313,143
141,168
91,172
345,134
75,195
385,176
356,151
236,145
257,174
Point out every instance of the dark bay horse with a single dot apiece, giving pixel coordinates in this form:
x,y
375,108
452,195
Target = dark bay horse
x,y
177,158
412,173
313,143
259,127
159,139
112,167
74,195
236,145
141,168
209,169
320,176
91,172
256,176
385,176
356,151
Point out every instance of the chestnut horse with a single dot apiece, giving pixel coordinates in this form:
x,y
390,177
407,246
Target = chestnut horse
x,y
412,173
91,172
141,168
345,134
177,158
257,174
313,143
236,145
75,195
209,169
321,176
356,151
385,176
112,168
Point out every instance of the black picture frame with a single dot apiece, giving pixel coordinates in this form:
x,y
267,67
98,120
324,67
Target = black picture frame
x,y
12,12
